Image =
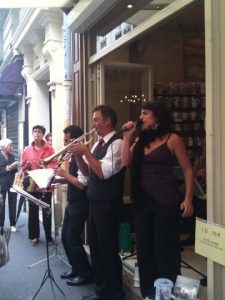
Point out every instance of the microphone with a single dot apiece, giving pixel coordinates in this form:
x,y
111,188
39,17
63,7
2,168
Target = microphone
x,y
137,123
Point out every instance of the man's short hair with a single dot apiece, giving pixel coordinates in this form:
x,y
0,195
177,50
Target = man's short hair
x,y
108,113
40,127
74,130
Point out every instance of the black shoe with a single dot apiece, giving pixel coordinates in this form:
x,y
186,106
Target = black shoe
x,y
51,242
93,297
189,241
79,280
68,274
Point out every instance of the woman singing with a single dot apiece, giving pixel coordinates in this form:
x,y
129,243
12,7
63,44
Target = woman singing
x,y
158,205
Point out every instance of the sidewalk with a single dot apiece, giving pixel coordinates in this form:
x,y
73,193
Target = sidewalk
x,y
18,281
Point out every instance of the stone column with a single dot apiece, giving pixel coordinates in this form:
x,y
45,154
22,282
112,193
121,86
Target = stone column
x,y
37,92
215,131
60,92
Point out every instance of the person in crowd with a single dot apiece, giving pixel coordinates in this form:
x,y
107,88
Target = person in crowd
x,y
48,138
158,206
8,168
74,218
199,201
32,159
105,192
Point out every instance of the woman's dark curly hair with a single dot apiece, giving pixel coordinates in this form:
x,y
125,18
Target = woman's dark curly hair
x,y
164,125
146,136
162,115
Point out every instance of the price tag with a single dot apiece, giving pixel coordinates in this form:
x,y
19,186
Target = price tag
x,y
210,240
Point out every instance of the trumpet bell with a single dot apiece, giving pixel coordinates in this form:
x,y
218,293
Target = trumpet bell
x,y
63,153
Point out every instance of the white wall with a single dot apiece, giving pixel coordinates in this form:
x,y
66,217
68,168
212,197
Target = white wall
x,y
39,107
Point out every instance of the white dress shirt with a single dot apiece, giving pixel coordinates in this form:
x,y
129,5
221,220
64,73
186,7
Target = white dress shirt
x,y
82,179
111,164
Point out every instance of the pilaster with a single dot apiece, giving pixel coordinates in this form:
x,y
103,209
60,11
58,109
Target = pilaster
x,y
215,131
53,46
37,41
27,51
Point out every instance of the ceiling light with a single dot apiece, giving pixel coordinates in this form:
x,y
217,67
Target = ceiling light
x,y
129,6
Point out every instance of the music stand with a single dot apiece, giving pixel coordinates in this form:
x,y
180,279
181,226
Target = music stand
x,y
56,254
44,179
48,272
56,246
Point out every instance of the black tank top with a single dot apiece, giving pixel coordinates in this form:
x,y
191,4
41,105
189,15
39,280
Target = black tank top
x,y
158,181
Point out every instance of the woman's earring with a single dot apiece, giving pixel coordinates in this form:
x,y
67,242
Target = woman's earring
x,y
156,125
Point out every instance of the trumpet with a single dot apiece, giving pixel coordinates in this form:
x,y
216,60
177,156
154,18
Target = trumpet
x,y
63,154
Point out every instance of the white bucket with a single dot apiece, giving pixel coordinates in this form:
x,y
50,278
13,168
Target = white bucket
x,y
163,288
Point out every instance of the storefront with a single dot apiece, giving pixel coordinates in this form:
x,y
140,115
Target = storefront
x,y
172,52
11,103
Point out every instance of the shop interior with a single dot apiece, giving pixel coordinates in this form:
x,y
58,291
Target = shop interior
x,y
166,64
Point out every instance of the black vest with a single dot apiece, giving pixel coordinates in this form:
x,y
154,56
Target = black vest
x,y
110,189
73,192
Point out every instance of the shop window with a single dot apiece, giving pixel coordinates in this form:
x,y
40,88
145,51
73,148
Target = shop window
x,y
121,19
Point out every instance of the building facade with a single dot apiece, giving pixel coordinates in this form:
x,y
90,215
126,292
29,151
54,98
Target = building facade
x,y
155,50
40,38
12,85
120,53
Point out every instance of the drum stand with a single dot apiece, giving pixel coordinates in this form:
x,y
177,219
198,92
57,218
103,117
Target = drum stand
x,y
48,274
56,246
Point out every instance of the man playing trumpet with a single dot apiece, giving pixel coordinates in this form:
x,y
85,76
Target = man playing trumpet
x,y
105,192
32,159
74,218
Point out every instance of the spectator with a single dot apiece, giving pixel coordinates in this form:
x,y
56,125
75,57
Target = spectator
x,y
32,159
48,138
199,200
8,168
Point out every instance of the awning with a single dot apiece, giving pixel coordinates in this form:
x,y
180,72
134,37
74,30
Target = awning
x,y
11,80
